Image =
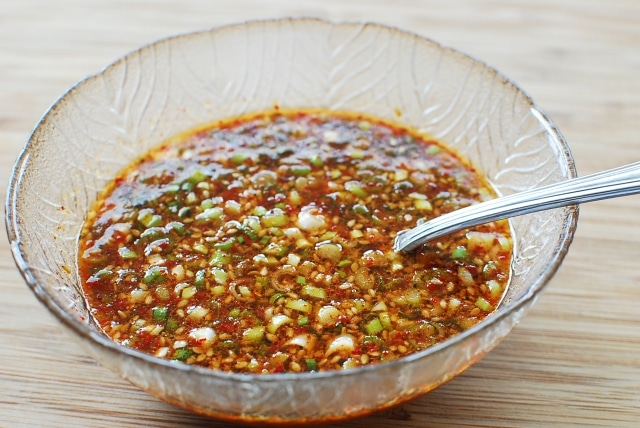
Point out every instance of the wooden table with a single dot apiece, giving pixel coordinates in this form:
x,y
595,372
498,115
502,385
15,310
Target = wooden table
x,y
573,361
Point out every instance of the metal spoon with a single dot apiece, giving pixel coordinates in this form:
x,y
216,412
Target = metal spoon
x,y
621,181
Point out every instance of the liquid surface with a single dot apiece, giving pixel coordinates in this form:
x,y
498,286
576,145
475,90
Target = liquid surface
x,y
264,245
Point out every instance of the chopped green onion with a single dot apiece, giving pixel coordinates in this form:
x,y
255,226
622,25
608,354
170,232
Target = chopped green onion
x,y
361,209
173,206
253,223
127,253
327,236
225,245
182,354
301,280
188,292
253,334
313,291
483,304
265,240
482,240
272,260
385,320
196,177
210,214
233,206
409,297
148,218
177,226
218,290
293,259
489,269
494,288
275,297
259,211
184,212
260,258
374,326
159,313
417,196
360,304
344,263
102,273
191,198
355,187
505,242
219,275
152,232
423,205
250,233
200,248
295,198
207,203
199,280
459,253
299,305
432,150
155,274
301,170
275,231
356,233
172,188
312,365
465,276
277,321
239,158
316,161
219,259
356,154
276,250
275,218
171,324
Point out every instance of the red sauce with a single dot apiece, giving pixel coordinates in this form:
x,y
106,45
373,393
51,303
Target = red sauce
x,y
263,245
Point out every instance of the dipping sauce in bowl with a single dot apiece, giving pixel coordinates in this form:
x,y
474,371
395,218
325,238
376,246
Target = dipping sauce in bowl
x,y
262,244
191,258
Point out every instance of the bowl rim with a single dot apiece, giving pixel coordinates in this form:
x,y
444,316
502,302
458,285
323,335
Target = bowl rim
x,y
82,330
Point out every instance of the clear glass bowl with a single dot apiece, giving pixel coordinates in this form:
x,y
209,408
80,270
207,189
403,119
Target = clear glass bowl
x,y
107,120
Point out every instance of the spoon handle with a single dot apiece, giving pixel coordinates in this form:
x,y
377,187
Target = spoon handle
x,y
621,181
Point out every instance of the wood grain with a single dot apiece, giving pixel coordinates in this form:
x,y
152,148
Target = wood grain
x,y
573,361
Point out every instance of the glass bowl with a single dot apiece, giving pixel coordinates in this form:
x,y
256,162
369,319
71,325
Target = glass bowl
x,y
174,85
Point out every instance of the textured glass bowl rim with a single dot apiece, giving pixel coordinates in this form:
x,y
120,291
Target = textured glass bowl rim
x,y
83,331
